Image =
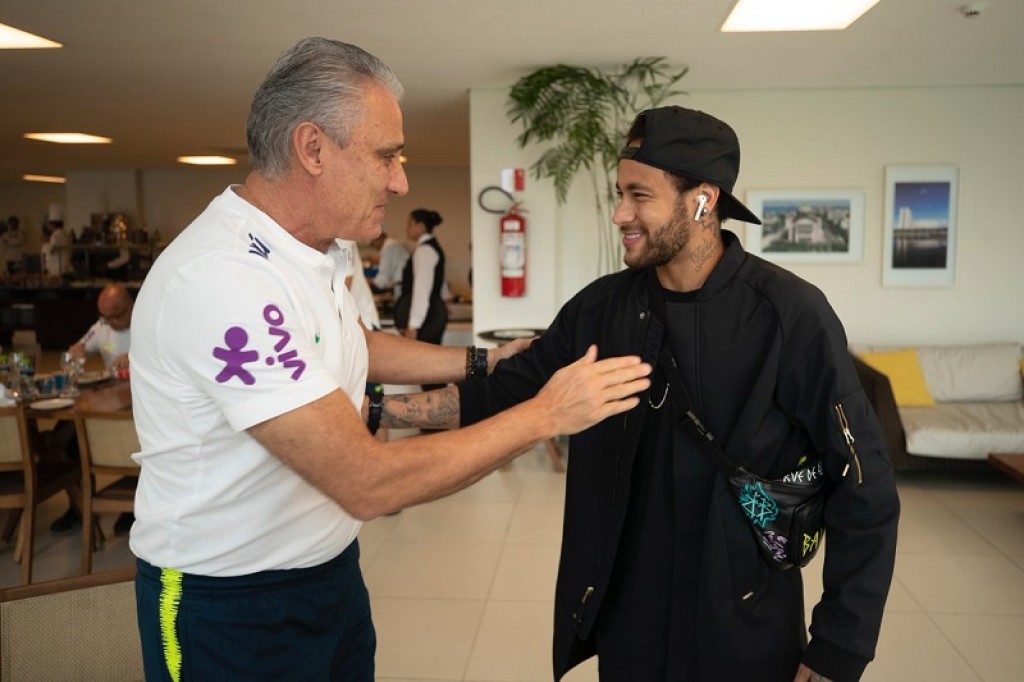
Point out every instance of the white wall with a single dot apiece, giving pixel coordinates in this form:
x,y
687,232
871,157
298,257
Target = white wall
x,y
806,139
174,197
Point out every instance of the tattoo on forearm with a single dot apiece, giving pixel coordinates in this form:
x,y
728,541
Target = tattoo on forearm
x,y
431,410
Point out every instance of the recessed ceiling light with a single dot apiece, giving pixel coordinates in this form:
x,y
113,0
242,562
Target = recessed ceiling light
x,y
208,160
795,15
56,179
15,39
69,138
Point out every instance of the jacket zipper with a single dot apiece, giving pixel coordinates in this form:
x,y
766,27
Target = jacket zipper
x,y
844,424
645,320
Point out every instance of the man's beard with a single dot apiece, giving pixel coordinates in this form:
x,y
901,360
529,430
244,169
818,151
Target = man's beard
x,y
664,244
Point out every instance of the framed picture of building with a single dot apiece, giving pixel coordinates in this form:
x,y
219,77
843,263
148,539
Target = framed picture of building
x,y
920,226
807,226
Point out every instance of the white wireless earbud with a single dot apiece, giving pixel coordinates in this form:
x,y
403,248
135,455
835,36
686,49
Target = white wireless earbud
x,y
701,200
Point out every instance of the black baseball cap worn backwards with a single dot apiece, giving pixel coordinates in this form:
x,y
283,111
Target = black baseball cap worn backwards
x,y
695,145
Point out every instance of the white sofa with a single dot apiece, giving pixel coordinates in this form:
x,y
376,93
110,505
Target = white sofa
x,y
978,409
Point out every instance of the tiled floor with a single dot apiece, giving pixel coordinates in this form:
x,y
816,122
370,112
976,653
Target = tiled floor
x,y
462,587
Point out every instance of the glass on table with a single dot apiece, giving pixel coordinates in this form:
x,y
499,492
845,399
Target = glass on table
x,y
71,370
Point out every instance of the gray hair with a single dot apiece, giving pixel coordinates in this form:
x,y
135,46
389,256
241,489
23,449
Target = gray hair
x,y
320,81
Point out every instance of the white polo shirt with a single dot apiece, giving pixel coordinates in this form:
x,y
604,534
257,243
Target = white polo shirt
x,y
237,323
110,343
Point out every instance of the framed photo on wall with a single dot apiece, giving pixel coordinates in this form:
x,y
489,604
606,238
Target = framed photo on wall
x,y
807,226
920,226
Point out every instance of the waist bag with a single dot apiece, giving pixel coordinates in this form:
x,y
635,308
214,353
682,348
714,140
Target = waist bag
x,y
786,515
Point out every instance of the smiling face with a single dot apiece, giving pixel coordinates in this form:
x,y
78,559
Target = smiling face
x,y
358,179
651,214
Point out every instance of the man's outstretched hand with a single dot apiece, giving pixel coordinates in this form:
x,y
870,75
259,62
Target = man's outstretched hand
x,y
591,390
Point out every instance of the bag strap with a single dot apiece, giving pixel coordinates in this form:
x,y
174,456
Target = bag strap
x,y
691,422
667,361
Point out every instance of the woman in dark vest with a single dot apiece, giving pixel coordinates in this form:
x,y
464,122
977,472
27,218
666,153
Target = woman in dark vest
x,y
420,312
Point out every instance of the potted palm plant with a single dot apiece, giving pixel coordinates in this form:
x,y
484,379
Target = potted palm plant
x,y
583,113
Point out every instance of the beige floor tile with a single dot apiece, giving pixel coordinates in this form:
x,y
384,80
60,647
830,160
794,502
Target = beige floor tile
x,y
374,534
584,672
526,573
432,571
914,495
470,522
985,491
1001,527
536,523
513,644
425,639
939,531
991,644
964,584
497,486
900,599
543,486
912,647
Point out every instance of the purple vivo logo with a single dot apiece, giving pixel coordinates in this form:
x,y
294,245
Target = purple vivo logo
x,y
235,356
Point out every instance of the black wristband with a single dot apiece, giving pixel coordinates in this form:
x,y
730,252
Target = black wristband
x,y
476,362
376,394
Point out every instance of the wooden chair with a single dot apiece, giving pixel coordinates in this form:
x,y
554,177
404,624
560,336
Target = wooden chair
x,y
106,442
80,628
26,483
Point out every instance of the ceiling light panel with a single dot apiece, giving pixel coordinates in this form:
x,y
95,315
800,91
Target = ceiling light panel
x,y
69,138
795,15
54,179
208,160
15,39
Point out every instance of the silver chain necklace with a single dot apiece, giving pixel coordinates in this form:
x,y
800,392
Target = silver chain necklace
x,y
660,402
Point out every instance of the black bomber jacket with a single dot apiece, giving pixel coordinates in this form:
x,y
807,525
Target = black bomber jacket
x,y
774,380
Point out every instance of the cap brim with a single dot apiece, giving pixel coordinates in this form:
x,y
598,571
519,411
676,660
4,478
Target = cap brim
x,y
732,208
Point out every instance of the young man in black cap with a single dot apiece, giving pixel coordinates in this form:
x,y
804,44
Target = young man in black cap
x,y
660,575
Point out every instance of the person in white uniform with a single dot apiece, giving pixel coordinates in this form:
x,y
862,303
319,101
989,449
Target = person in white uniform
x,y
56,249
249,367
392,256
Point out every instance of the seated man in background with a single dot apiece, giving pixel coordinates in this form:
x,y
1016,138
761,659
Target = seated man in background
x,y
110,336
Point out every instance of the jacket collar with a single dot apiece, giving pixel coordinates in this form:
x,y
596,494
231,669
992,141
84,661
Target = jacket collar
x,y
723,273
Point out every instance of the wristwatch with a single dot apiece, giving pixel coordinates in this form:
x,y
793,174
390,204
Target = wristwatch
x,y
375,392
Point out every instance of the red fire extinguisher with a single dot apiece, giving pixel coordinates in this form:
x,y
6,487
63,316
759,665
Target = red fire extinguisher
x,y
513,253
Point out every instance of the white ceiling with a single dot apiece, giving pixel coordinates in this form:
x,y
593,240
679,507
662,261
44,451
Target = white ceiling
x,y
172,77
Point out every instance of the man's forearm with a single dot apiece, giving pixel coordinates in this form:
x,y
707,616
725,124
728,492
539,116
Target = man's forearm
x,y
396,360
431,410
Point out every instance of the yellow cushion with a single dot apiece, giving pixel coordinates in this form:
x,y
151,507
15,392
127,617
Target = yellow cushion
x,y
904,372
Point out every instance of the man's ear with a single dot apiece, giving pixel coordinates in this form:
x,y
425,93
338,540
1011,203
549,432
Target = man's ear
x,y
711,192
307,140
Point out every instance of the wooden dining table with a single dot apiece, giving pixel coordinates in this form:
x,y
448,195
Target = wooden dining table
x,y
110,396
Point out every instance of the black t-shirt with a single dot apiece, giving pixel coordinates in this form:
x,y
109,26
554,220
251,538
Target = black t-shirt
x,y
654,581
